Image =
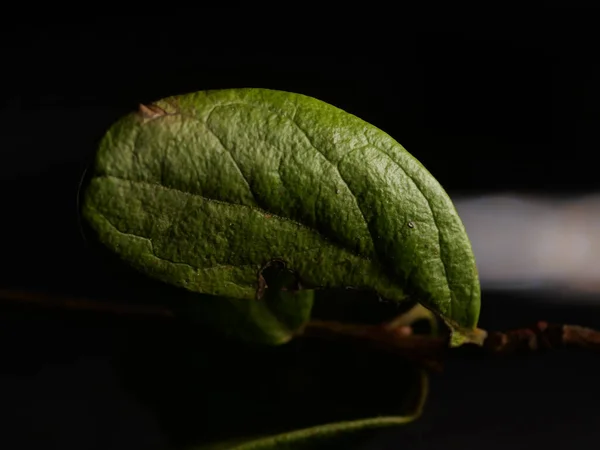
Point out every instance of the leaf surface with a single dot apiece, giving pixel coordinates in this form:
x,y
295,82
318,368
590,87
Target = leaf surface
x,y
202,190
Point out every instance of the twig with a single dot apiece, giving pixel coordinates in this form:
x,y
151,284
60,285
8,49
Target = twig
x,y
394,337
430,351
542,336
46,301
426,350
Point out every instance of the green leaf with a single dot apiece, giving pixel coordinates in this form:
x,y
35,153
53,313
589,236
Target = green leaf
x,y
274,320
203,190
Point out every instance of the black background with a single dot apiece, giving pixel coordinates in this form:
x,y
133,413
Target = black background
x,y
484,112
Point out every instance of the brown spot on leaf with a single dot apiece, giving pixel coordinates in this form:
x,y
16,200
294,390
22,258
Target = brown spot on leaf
x,y
151,111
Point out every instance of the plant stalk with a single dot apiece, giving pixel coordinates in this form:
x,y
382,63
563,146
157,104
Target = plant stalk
x,y
394,337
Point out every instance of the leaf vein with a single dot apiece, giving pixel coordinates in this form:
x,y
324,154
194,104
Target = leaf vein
x,y
382,151
162,258
337,169
237,205
210,130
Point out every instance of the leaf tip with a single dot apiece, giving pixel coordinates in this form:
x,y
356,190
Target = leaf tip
x,y
463,336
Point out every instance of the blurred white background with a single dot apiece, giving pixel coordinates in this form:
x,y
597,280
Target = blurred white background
x,y
535,244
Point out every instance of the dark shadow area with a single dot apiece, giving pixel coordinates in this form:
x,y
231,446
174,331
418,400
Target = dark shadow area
x,y
213,391
199,387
